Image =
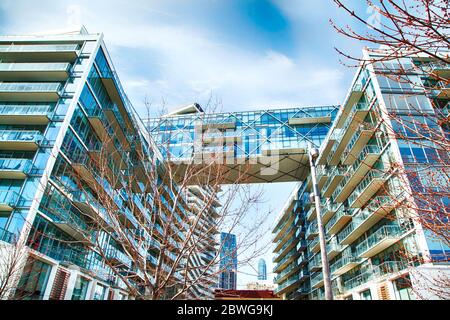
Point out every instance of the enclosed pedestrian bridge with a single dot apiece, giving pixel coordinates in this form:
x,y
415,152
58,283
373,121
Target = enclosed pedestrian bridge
x,y
265,145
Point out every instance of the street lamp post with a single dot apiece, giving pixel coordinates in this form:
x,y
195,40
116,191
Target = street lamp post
x,y
313,154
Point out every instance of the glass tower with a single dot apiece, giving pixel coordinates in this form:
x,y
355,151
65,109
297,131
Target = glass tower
x,y
262,269
228,261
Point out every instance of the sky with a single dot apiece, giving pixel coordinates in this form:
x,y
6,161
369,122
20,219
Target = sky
x,y
246,54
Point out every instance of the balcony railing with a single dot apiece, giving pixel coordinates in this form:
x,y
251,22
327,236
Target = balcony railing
x,y
29,87
340,218
38,48
375,178
21,136
16,165
6,236
374,243
26,109
41,66
8,199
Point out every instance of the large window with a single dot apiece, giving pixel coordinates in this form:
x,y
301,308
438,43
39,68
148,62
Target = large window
x,y
80,289
403,289
99,293
33,281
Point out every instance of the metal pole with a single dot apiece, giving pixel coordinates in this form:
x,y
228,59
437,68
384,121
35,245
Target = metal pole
x,y
313,153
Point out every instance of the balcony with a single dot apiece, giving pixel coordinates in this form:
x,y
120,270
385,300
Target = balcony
x,y
15,168
314,245
303,259
358,280
301,245
378,208
37,52
72,224
312,231
8,200
290,282
286,273
381,239
353,122
119,125
285,248
341,218
353,97
336,175
50,71
311,214
6,236
25,113
289,233
333,248
88,206
367,188
315,264
301,231
359,140
366,159
289,257
317,280
30,91
118,258
344,264
442,91
20,140
441,70
328,146
329,208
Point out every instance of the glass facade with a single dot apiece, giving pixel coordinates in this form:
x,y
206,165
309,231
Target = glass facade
x,y
228,261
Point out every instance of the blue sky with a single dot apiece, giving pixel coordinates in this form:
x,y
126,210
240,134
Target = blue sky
x,y
249,54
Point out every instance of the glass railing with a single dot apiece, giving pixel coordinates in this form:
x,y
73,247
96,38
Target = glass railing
x,y
285,272
342,211
6,236
303,258
312,229
358,280
301,244
382,233
299,231
113,253
38,48
29,87
42,66
343,261
287,283
369,149
315,262
26,109
316,278
313,243
329,206
336,171
390,267
285,259
373,174
20,165
362,127
21,136
333,245
361,106
9,198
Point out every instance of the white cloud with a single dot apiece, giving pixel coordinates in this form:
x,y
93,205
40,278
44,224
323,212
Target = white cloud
x,y
191,62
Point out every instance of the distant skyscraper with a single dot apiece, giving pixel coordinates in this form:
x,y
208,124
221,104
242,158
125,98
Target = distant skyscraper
x,y
262,270
228,261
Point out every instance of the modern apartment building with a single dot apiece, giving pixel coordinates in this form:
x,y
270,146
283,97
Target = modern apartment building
x,y
228,261
62,108
376,247
204,262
